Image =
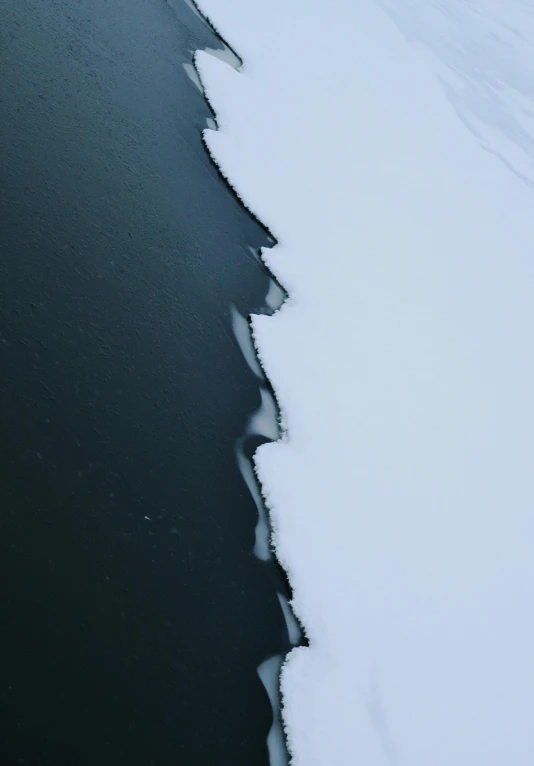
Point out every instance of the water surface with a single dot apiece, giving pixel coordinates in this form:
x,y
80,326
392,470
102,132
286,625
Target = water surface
x,y
133,612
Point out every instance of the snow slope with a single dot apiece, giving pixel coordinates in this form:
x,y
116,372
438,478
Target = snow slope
x,y
482,52
389,149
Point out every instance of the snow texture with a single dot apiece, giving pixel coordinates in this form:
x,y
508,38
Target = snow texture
x,y
389,147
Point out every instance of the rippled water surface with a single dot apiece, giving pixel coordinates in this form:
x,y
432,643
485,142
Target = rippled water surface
x,y
134,614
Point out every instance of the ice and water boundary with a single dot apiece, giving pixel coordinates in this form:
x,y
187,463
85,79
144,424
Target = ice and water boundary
x,y
264,422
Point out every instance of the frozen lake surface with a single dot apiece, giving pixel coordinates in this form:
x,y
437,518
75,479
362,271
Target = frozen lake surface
x,y
393,164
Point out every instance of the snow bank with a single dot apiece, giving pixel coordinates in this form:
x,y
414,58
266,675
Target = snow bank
x,y
402,497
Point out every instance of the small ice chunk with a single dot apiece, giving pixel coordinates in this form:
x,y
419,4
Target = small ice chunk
x,y
193,76
275,296
242,333
225,54
264,422
262,548
269,673
293,628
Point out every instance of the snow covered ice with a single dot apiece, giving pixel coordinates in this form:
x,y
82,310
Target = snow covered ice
x,y
388,146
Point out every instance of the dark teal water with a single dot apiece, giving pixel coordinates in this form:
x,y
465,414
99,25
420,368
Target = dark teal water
x,y
133,613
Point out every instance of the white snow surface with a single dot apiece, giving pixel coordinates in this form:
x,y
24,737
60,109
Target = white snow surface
x,y
389,148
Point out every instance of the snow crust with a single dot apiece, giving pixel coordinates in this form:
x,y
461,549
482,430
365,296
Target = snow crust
x,y
381,145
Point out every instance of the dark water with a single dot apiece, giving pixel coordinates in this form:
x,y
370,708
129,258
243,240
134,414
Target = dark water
x,y
133,613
